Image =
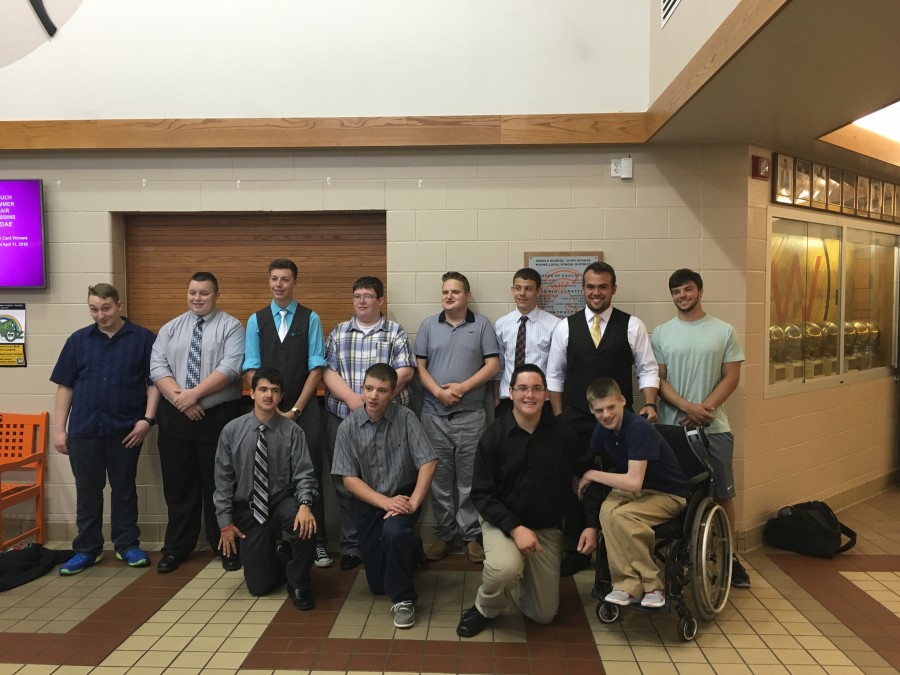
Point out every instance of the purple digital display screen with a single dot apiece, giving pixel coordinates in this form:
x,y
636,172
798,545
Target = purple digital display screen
x,y
21,234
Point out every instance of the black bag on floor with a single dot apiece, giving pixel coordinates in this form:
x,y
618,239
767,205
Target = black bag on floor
x,y
810,528
26,562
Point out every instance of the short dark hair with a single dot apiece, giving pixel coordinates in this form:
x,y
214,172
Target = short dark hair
x,y
372,283
683,276
207,276
528,274
284,264
599,268
104,292
384,372
526,368
603,387
457,276
273,375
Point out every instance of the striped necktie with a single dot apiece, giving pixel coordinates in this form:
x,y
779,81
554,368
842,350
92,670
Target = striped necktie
x,y
259,498
520,343
192,379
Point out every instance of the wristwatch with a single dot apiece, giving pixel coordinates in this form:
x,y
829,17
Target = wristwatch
x,y
651,405
306,503
149,420
296,412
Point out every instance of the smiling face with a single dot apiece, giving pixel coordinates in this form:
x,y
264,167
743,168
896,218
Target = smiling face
x,y
686,297
528,394
525,293
367,305
281,285
106,313
454,297
609,411
598,291
266,397
202,297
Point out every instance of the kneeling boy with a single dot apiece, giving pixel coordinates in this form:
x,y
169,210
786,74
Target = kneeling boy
x,y
387,464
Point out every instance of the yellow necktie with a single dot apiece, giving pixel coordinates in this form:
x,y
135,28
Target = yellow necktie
x,y
595,330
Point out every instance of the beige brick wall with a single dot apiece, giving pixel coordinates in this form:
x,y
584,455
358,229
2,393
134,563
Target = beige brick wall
x,y
476,212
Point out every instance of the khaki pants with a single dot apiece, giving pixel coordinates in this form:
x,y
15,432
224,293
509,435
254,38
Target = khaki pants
x,y
531,580
627,520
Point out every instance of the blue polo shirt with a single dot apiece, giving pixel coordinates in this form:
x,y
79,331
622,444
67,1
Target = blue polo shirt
x,y
108,377
639,440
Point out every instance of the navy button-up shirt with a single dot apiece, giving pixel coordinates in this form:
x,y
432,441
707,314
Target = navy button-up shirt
x,y
108,376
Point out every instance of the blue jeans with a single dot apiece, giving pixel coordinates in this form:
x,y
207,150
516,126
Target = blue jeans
x,y
93,460
390,549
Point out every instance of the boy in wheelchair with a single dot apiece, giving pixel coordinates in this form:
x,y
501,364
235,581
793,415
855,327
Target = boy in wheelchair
x,y
648,488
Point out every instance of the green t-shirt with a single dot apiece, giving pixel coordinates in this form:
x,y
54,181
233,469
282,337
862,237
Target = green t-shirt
x,y
693,353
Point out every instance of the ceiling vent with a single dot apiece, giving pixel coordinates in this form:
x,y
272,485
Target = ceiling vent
x,y
668,9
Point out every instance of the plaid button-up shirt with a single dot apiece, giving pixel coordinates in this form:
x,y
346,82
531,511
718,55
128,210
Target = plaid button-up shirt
x,y
349,351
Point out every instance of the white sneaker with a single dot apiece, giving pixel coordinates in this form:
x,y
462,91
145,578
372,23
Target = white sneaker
x,y
654,599
620,598
322,558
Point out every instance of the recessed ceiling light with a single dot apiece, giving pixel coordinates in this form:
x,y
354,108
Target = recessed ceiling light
x,y
884,122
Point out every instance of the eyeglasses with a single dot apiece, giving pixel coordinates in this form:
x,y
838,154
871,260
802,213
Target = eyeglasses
x,y
524,389
364,297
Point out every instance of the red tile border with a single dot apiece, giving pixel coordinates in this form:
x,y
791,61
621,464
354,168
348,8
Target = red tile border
x,y
856,609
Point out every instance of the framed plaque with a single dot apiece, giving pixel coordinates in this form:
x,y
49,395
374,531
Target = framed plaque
x,y
875,197
561,271
848,193
783,185
834,189
862,196
887,201
802,182
819,186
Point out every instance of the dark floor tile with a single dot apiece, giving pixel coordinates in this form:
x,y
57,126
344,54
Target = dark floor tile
x,y
581,651
297,661
475,664
408,647
272,644
440,663
263,660
368,662
331,661
403,663
546,666
483,649
505,649
545,649
371,646
444,647
517,666
305,644
583,667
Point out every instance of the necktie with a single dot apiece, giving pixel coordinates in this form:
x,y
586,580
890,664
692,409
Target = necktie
x,y
520,342
595,330
259,498
282,329
192,379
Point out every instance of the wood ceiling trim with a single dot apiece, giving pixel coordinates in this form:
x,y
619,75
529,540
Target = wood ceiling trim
x,y
739,27
865,142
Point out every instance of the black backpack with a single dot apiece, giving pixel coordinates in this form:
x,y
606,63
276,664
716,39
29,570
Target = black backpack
x,y
809,528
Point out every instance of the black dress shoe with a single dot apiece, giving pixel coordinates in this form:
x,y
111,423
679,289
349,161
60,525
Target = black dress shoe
x,y
350,562
168,563
303,600
572,563
283,551
471,623
231,563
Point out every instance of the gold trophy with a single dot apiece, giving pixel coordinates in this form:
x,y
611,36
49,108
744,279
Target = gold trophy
x,y
829,347
812,348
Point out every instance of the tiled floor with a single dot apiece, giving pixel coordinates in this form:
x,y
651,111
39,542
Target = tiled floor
x,y
801,616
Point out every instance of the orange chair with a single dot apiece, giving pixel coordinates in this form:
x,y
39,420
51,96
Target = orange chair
x,y
23,443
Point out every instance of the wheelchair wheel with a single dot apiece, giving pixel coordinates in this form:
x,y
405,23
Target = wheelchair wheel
x,y
710,559
687,628
607,612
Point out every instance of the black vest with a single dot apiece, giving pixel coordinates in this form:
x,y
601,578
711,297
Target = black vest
x,y
290,357
585,363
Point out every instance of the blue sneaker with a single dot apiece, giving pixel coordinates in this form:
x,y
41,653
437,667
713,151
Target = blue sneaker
x,y
78,562
134,556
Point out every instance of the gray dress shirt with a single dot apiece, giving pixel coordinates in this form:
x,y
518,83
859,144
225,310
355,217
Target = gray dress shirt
x,y
290,467
386,455
222,350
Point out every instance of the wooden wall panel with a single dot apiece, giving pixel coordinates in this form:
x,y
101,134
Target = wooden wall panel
x,y
331,250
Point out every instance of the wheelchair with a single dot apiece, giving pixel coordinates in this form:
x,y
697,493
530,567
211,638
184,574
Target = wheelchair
x,y
694,549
